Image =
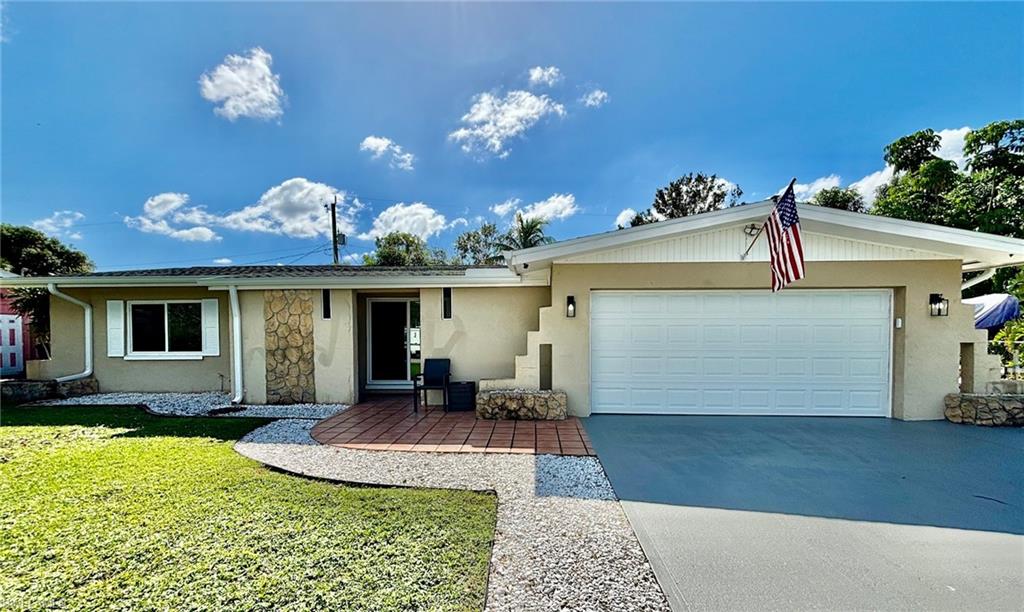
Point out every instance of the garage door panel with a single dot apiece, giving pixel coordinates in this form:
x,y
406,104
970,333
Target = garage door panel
x,y
754,335
682,334
755,366
720,334
681,367
647,334
719,305
693,352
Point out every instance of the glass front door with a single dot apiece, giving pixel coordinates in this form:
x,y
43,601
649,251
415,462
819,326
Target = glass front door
x,y
393,342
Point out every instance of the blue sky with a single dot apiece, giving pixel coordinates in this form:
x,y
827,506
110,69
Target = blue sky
x,y
184,134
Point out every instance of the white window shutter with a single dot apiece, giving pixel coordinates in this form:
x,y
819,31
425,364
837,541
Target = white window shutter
x,y
211,328
115,328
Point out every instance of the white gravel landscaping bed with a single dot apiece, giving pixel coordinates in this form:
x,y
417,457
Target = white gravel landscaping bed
x,y
198,404
562,541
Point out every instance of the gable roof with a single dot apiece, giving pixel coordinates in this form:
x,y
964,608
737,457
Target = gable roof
x,y
976,251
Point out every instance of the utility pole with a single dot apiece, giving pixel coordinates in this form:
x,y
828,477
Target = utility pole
x,y
334,228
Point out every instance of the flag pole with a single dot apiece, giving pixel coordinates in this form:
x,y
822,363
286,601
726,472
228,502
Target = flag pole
x,y
760,230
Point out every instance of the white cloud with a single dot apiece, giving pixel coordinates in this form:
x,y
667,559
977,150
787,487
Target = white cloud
x,y
493,120
355,258
505,207
158,206
161,226
558,206
222,261
244,86
595,98
60,223
417,219
624,217
545,76
806,191
378,146
868,186
294,208
951,146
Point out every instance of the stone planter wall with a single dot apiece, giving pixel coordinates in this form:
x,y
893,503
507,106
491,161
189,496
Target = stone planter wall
x,y
522,405
288,317
988,410
14,392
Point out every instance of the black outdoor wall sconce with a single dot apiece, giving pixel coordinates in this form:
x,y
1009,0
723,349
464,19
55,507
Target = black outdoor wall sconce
x,y
570,307
938,306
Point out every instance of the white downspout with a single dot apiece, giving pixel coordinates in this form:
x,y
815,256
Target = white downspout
x,y
87,372
236,346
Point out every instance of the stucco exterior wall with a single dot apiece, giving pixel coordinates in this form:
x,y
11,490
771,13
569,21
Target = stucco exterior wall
x,y
334,357
117,374
487,329
926,351
254,347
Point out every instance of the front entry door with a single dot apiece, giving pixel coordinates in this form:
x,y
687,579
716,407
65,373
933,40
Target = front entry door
x,y
392,342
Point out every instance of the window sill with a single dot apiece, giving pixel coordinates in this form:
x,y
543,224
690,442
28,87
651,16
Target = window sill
x,y
163,357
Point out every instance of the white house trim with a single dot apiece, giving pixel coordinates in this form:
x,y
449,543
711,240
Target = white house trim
x,y
976,250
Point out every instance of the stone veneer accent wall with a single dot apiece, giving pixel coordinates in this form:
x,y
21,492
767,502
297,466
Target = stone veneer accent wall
x,y
288,317
990,410
521,405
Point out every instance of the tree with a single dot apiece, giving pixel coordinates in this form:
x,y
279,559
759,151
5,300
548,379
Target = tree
x,y
404,249
29,252
840,198
989,198
919,195
480,246
908,153
998,146
524,233
689,195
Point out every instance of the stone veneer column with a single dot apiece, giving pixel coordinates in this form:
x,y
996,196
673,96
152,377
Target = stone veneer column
x,y
288,317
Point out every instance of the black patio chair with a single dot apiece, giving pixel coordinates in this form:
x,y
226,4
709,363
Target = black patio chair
x,y
436,375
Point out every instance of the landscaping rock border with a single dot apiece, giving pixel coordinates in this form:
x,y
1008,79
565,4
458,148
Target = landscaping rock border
x,y
562,541
987,410
198,404
521,404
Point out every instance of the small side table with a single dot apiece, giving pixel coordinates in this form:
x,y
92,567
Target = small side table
x,y
461,396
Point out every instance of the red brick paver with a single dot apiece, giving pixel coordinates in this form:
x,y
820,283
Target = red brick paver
x,y
388,423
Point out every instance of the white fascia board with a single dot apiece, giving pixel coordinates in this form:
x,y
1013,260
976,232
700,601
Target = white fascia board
x,y
80,282
626,237
473,278
914,231
506,279
982,250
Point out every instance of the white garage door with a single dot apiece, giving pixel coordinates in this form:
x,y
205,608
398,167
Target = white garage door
x,y
741,352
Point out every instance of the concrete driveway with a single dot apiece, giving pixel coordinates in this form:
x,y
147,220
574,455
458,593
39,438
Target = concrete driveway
x,y
746,513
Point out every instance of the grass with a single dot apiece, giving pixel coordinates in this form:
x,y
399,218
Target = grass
x,y
113,508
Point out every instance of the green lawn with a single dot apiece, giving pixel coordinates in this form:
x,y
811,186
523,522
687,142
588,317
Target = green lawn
x,y
112,508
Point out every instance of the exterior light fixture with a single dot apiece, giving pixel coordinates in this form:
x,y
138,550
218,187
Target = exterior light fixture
x,y
570,307
751,229
938,306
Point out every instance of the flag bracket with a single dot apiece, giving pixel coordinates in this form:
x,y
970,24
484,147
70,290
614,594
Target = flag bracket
x,y
747,229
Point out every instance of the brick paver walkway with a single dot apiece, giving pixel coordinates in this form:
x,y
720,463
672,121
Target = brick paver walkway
x,y
388,423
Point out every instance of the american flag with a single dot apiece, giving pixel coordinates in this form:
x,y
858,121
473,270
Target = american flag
x,y
785,245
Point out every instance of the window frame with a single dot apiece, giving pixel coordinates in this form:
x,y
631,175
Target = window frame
x,y
130,352
326,304
451,303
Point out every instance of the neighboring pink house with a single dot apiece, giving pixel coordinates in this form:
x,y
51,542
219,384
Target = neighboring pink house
x,y
15,338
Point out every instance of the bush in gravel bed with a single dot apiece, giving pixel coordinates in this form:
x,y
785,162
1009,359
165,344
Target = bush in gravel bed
x,y
113,508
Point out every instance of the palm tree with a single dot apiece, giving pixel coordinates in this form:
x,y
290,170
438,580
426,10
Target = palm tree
x,y
524,233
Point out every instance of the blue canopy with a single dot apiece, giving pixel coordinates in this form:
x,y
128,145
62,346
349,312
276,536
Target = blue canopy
x,y
993,310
